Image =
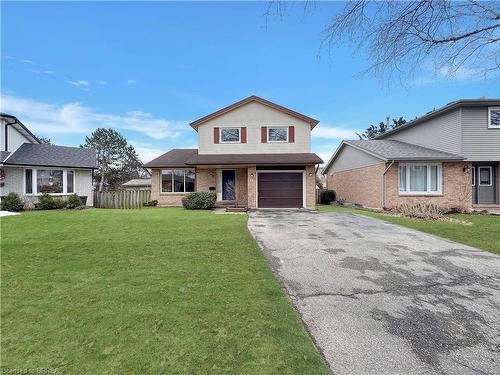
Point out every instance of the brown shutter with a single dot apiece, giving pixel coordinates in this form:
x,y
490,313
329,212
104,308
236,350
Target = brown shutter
x,y
291,134
216,135
243,135
263,134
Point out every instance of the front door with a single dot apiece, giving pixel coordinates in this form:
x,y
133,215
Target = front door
x,y
484,186
228,185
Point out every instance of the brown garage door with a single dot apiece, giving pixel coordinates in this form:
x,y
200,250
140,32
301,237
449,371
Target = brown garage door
x,y
280,190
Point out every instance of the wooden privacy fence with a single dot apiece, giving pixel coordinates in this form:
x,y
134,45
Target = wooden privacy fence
x,y
121,198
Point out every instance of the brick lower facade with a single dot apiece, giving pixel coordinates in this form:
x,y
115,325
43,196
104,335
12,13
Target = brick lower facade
x,y
456,193
246,186
360,186
364,186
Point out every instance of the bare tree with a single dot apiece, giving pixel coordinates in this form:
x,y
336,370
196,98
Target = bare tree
x,y
403,37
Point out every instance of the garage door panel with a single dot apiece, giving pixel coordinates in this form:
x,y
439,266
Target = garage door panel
x,y
280,190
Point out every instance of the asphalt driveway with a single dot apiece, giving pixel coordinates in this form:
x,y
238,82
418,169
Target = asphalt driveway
x,y
378,298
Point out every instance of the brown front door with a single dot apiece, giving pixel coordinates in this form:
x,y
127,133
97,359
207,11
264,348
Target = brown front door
x,y
280,190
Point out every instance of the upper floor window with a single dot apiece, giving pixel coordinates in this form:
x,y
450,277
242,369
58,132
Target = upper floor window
x,y
420,179
494,117
229,135
277,134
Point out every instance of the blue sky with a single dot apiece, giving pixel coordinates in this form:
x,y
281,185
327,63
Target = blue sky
x,y
147,69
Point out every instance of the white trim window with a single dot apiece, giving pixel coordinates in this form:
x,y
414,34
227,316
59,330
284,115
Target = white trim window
x,y
177,180
230,134
485,176
494,117
277,134
425,179
48,180
473,176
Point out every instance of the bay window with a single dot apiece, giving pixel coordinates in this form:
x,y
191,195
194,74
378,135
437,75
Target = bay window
x,y
177,180
50,181
420,178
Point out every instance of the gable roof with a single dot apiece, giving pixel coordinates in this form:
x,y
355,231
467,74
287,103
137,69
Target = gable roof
x,y
257,99
388,150
31,154
21,127
440,111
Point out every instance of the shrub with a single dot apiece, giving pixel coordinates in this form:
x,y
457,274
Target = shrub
x,y
203,200
45,202
59,203
73,201
12,202
327,196
422,210
152,203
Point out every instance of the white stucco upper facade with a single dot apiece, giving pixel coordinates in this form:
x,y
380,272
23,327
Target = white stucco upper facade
x,y
253,116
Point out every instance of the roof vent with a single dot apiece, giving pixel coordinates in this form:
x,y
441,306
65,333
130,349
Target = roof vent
x,y
482,98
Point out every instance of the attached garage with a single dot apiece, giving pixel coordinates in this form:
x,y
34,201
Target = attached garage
x,y
280,189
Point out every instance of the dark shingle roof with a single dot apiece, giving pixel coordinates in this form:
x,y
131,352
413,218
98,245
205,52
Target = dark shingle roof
x,y
262,159
3,155
397,150
53,156
176,157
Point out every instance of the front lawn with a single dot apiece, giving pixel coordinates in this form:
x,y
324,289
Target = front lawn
x,y
484,233
144,291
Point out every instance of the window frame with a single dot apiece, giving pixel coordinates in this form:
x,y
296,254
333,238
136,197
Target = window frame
x,y
173,186
490,168
229,127
490,126
278,127
428,191
473,176
34,181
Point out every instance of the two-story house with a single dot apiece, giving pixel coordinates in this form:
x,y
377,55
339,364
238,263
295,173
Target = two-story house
x,y
253,153
29,168
449,156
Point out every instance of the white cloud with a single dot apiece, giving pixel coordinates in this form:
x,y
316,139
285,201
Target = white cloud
x,y
27,61
101,82
333,132
147,151
36,71
75,118
79,83
50,72
460,73
8,57
131,81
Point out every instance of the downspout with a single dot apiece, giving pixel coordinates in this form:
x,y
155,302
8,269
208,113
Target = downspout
x,y
7,134
383,183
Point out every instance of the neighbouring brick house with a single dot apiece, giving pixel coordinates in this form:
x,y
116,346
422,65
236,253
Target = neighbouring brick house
x,y
253,153
450,156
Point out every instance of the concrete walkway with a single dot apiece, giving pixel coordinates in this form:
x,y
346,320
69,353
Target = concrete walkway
x,y
381,299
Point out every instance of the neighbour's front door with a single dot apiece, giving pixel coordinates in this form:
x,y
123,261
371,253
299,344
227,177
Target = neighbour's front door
x,y
484,187
228,185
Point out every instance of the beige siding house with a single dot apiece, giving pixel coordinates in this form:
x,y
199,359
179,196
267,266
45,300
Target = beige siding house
x,y
29,168
450,156
253,153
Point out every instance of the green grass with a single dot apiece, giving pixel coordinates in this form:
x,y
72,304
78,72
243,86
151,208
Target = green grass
x,y
144,291
483,233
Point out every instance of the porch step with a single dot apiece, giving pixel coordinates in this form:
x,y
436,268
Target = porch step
x,y
236,209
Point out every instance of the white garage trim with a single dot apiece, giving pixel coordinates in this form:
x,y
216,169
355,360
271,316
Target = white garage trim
x,y
304,185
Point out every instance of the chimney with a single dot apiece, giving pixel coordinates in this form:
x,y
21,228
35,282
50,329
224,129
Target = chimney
x,y
482,98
